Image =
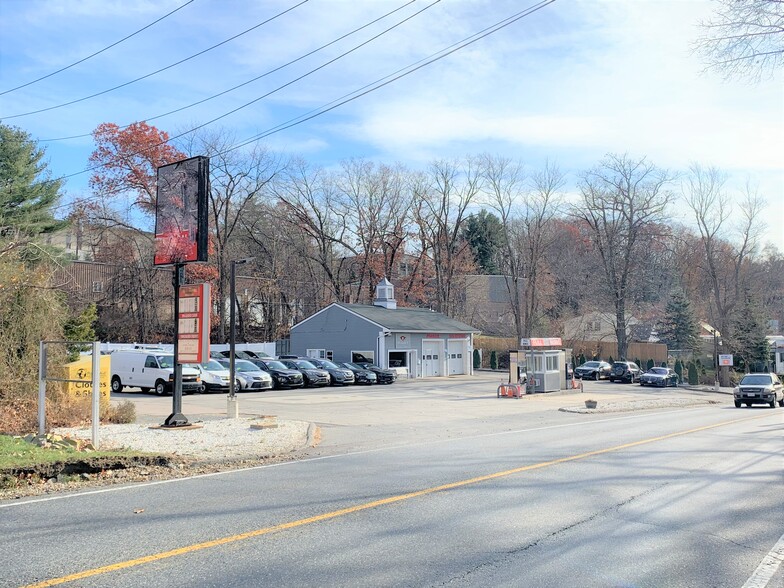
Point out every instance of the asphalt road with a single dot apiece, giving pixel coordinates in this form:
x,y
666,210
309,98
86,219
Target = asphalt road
x,y
452,487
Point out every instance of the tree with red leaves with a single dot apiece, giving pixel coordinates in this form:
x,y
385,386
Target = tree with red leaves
x,y
126,160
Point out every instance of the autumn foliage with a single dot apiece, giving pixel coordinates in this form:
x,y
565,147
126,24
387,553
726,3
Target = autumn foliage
x,y
127,159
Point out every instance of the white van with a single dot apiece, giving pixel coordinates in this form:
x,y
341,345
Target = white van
x,y
150,369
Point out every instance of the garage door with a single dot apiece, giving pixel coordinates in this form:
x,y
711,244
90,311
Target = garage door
x,y
456,351
431,358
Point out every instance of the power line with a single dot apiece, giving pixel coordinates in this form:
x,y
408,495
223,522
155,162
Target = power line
x,y
224,115
157,71
373,86
62,69
280,67
367,89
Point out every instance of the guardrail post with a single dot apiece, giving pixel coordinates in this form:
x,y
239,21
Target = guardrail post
x,y
41,388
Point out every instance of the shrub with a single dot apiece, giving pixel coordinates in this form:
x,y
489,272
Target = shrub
x,y
693,374
664,364
610,360
650,364
122,413
638,362
580,359
493,360
679,369
477,359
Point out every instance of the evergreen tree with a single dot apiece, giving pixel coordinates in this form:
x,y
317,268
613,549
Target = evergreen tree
x,y
694,376
477,359
493,360
679,369
747,339
679,329
485,234
27,195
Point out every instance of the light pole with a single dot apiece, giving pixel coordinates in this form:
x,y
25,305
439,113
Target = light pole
x,y
232,401
715,360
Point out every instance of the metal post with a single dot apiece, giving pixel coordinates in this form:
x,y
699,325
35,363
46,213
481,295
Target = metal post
x,y
42,388
715,360
232,328
96,392
176,418
231,402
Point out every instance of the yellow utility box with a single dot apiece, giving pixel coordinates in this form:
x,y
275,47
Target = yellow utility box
x,y
82,369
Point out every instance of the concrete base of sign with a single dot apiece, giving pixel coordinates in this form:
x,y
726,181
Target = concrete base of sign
x,y
232,407
266,422
188,427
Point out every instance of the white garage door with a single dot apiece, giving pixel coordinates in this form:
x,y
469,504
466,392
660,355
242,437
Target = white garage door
x,y
431,358
456,350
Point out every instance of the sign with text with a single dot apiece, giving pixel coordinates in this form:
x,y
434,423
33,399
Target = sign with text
x,y
725,360
193,318
541,342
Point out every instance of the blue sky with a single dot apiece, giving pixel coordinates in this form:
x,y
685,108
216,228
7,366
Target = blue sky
x,y
569,83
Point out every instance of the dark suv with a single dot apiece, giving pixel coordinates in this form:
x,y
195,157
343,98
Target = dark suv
x,y
625,371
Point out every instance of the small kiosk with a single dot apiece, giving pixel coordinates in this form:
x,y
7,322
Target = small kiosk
x,y
540,363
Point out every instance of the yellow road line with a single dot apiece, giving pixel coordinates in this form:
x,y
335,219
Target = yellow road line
x,y
360,507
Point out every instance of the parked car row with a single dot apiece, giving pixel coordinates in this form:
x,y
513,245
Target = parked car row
x,y
627,371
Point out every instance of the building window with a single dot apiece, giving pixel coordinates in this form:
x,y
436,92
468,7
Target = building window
x,y
316,353
97,287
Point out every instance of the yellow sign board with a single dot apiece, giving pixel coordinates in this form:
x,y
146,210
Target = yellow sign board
x,y
82,369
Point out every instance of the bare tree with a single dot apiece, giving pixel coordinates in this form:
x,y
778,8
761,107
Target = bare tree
x,y
705,193
623,205
444,194
237,180
744,38
376,206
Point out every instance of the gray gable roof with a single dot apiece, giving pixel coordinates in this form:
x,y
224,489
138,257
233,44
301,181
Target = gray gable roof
x,y
410,320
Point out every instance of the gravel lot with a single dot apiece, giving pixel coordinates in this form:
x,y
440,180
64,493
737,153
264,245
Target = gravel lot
x,y
213,440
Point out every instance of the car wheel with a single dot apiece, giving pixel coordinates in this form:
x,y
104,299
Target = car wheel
x,y
596,376
737,404
773,402
781,402
160,387
237,386
116,384
203,388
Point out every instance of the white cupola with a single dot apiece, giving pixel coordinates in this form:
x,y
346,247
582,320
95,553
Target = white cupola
x,y
385,295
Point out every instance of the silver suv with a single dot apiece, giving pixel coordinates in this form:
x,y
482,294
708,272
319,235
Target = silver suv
x,y
759,389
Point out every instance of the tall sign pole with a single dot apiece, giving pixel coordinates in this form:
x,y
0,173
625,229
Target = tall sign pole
x,y
181,225
176,418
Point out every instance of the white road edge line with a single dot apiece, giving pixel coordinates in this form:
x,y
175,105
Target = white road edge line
x,y
770,563
325,457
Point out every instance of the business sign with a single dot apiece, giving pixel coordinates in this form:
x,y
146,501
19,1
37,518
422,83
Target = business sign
x,y
193,318
725,360
541,342
181,211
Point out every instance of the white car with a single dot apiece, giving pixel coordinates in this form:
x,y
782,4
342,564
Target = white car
x,y
214,377
249,377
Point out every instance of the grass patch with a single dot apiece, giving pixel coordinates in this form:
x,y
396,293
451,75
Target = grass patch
x,y
19,454
23,463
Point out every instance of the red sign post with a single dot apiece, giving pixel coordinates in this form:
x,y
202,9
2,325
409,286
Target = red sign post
x,y
193,319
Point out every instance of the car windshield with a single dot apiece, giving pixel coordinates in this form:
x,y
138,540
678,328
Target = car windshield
x,y
757,380
242,365
658,370
276,365
305,365
165,361
353,366
591,364
212,366
327,364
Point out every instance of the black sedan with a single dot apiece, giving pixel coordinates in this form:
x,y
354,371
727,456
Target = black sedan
x,y
659,376
361,375
339,376
593,370
382,376
282,376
